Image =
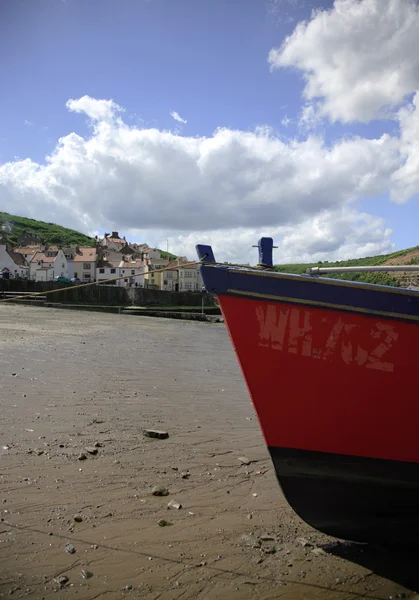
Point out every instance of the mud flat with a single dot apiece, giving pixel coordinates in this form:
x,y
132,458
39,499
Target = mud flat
x,y
84,384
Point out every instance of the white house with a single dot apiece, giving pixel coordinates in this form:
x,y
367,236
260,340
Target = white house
x,y
130,268
107,269
111,268
12,264
47,265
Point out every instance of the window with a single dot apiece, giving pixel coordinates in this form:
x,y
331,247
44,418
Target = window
x,y
76,276
86,276
133,272
101,270
113,270
86,266
63,266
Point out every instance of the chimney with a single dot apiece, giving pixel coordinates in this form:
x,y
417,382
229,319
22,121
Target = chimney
x,y
115,234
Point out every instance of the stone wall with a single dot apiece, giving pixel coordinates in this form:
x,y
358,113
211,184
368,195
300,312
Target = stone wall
x,y
108,295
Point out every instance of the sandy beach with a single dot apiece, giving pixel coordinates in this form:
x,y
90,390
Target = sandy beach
x,y
76,384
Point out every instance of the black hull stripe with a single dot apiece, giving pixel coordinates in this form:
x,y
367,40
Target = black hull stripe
x,y
349,497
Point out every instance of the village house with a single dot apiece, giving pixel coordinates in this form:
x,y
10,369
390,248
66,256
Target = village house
x,y
113,266
131,267
84,264
113,241
70,252
12,264
28,252
152,254
169,279
47,265
107,268
190,279
153,278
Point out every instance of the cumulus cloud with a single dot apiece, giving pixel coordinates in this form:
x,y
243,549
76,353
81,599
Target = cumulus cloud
x,y
228,188
176,116
333,235
97,110
360,58
405,181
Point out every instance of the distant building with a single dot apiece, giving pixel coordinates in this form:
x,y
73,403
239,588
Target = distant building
x,y
28,252
84,262
134,270
28,238
113,241
107,269
190,279
12,264
7,227
47,265
131,271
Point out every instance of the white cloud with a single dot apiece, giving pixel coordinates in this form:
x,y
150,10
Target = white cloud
x,y
97,110
28,123
360,58
286,121
228,188
333,235
177,117
405,181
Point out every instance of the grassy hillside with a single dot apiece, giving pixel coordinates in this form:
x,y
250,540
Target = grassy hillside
x,y
379,278
167,255
50,233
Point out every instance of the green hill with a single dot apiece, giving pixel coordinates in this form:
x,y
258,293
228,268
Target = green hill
x,y
50,233
378,278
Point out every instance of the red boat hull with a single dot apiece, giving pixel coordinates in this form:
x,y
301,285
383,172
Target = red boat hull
x,y
335,394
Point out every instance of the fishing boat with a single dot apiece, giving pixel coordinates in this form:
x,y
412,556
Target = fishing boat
x,y
331,367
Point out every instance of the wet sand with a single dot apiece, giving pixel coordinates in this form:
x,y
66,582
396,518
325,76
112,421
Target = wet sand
x,y
70,380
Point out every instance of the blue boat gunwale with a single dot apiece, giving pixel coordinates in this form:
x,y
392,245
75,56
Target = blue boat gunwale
x,y
321,292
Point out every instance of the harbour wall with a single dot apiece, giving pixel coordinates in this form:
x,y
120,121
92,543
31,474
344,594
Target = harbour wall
x,y
108,295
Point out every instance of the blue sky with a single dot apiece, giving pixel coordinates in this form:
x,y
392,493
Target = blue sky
x,y
205,59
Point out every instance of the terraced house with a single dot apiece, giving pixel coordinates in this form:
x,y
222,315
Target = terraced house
x,y
84,264
47,265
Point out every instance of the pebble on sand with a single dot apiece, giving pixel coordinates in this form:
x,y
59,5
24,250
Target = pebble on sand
x,y
174,504
244,460
93,450
81,456
164,523
62,580
70,548
86,574
78,518
160,490
153,433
